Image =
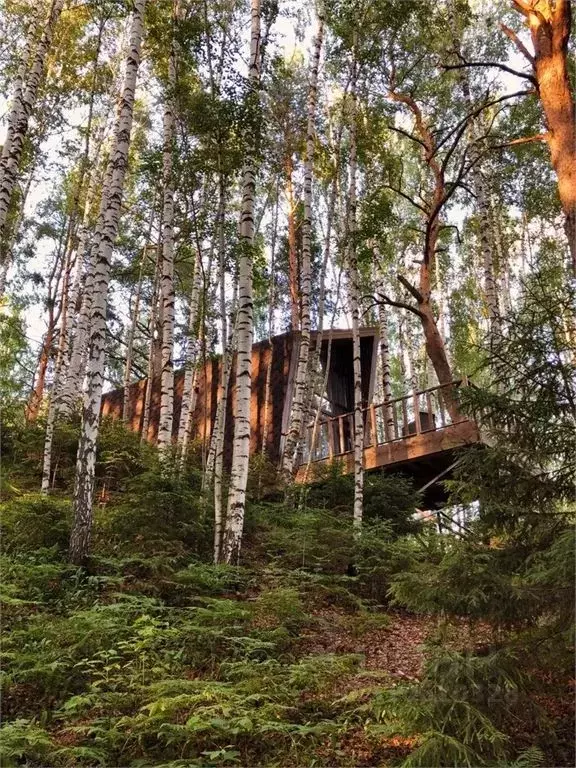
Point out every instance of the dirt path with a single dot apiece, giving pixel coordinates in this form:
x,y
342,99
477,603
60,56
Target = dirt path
x,y
396,649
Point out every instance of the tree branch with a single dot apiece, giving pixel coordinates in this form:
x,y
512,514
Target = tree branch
x,y
522,6
461,126
522,140
407,197
517,42
496,64
399,304
407,134
410,288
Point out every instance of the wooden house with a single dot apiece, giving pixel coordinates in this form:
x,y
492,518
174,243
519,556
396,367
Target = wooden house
x,y
413,434
270,406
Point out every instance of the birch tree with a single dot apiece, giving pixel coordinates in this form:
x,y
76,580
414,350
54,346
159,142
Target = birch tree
x,y
232,539
21,111
354,297
107,225
297,413
167,276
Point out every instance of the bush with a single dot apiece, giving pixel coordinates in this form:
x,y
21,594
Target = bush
x,y
156,514
35,521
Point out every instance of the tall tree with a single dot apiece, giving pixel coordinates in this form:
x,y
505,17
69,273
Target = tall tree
x,y
550,24
232,539
167,275
300,383
354,296
107,225
21,110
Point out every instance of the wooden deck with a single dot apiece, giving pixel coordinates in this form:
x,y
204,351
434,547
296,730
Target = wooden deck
x,y
402,431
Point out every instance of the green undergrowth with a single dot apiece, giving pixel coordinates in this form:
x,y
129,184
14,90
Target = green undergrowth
x,y
165,659
152,656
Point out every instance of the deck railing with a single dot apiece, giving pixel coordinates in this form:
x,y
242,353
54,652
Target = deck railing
x,y
398,419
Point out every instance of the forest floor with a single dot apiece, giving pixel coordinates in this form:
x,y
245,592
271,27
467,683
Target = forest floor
x,y
156,658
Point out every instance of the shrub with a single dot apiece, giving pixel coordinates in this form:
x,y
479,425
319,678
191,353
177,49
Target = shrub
x,y
33,522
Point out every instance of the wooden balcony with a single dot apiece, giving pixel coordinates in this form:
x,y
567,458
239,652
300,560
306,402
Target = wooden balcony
x,y
405,430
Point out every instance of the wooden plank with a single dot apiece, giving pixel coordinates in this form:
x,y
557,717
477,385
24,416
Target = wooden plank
x,y
341,434
330,425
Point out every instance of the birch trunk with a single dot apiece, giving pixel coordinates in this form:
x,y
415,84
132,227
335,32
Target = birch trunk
x,y
16,104
297,414
7,247
220,432
271,308
315,366
386,371
192,348
186,424
108,225
245,321
62,350
22,110
353,288
134,317
152,323
47,348
292,256
167,280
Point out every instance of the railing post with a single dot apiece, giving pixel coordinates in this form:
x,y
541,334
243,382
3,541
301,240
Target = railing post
x,y
431,419
417,424
330,425
373,425
404,418
341,434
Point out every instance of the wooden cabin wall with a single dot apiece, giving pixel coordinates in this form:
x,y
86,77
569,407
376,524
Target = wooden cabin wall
x,y
264,354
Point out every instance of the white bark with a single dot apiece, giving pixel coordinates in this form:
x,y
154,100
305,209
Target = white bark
x,y
58,368
167,279
271,309
220,431
152,322
23,105
134,315
107,225
232,539
86,254
300,384
192,349
354,292
8,246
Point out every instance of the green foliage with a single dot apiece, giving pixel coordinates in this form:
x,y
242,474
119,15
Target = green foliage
x,y
386,497
34,521
156,513
22,739
458,710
